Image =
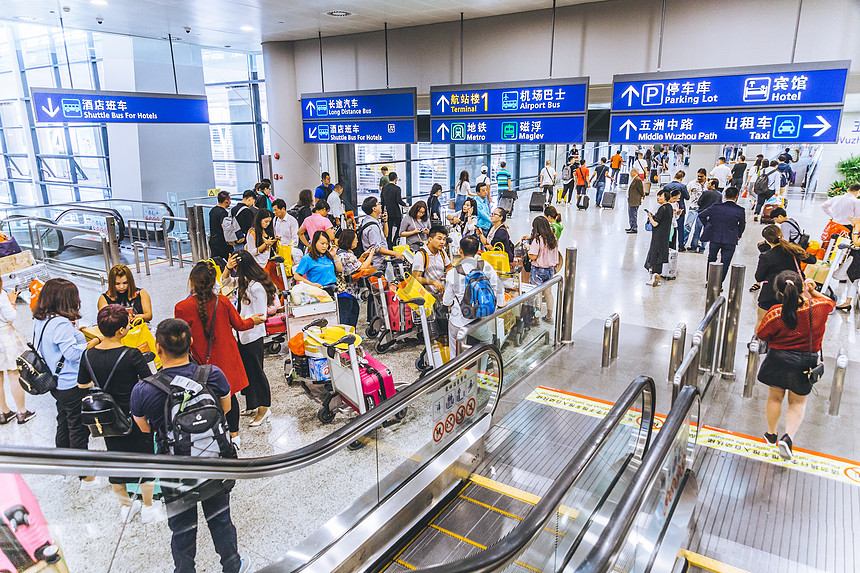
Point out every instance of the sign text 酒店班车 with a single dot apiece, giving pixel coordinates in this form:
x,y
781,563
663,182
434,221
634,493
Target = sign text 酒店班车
x,y
88,106
368,131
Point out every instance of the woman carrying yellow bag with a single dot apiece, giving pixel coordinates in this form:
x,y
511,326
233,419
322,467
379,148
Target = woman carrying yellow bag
x,y
499,236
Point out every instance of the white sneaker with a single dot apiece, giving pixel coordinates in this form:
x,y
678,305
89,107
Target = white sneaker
x,y
90,485
153,513
237,441
244,563
127,512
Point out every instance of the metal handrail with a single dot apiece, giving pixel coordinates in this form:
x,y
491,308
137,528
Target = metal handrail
x,y
78,230
712,314
64,461
464,332
615,534
506,551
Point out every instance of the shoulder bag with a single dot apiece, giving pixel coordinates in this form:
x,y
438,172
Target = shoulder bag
x,y
99,410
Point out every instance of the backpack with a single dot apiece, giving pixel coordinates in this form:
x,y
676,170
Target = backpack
x,y
565,172
479,300
294,211
99,410
34,374
231,228
802,237
194,423
761,183
361,248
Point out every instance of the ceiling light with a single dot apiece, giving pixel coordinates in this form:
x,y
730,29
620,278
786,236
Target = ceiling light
x,y
247,28
27,19
339,13
99,2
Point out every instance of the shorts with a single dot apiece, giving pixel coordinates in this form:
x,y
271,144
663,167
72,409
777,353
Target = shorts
x,y
540,275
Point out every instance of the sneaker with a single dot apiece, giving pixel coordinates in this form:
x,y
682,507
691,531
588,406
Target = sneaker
x,y
127,512
237,441
6,417
784,445
755,287
152,513
244,563
90,485
632,232
25,416
771,438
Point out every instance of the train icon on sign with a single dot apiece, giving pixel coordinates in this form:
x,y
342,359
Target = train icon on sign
x,y
757,89
509,130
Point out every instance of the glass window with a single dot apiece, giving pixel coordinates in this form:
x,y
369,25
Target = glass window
x,y
220,66
52,140
61,194
86,140
41,78
236,177
432,166
91,171
469,157
230,104
15,139
8,86
234,142
17,167
26,194
369,159
10,114
5,192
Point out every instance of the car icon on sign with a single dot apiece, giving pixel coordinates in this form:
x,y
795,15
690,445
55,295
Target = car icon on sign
x,y
786,126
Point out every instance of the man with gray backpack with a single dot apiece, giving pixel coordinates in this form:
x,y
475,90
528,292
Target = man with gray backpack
x,y
172,404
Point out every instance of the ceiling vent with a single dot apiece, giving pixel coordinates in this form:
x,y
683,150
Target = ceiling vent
x,y
339,14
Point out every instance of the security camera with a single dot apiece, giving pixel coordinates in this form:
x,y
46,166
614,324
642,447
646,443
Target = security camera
x,y
187,30
100,20
66,9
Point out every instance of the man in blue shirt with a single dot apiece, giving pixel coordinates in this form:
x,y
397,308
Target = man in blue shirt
x,y
483,202
503,184
325,188
172,342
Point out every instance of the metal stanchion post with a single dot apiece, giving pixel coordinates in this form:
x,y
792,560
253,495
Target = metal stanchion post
x,y
838,382
610,340
752,366
679,341
113,241
706,355
192,234
730,329
616,332
202,243
566,312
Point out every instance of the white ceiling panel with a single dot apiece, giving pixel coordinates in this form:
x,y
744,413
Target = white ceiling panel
x,y
219,22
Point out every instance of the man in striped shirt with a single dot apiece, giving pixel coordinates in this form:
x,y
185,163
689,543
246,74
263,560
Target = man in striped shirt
x,y
503,183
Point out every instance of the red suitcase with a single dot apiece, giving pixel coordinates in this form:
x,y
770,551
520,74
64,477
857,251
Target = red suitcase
x,y
400,314
25,541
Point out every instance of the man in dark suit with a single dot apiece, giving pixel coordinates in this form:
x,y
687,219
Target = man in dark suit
x,y
392,200
724,225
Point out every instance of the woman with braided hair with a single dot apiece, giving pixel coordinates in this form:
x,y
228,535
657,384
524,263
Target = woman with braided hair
x,y
212,319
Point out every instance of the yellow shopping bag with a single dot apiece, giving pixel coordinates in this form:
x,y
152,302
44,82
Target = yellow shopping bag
x,y
498,258
286,252
141,338
217,272
411,288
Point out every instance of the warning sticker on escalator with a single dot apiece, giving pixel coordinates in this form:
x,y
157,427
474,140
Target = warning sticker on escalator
x,y
817,463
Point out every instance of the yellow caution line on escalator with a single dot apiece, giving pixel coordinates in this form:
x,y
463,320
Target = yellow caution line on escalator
x,y
505,513
707,563
479,546
519,494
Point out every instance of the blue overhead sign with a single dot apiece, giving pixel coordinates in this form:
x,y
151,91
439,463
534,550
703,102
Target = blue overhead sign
x,y
372,131
87,106
816,84
738,126
368,104
517,129
562,97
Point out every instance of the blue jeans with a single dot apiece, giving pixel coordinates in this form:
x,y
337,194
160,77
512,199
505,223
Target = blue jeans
x,y
599,187
697,232
458,202
633,216
540,275
184,527
682,231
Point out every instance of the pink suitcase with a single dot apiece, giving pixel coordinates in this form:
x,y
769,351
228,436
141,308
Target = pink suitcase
x,y
24,538
376,380
276,324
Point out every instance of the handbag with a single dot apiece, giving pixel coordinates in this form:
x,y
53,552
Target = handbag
x,y
498,258
814,373
34,374
412,288
99,410
139,336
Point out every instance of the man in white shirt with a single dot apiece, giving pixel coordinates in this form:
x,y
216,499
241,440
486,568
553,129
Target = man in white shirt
x,y
844,209
286,226
547,180
722,173
335,203
431,263
455,288
640,165
484,178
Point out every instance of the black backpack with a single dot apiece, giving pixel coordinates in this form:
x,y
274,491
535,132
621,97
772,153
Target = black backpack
x,y
34,374
761,183
802,236
361,248
99,410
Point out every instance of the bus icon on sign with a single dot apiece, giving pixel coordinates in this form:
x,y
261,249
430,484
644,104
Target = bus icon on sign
x,y
72,108
322,132
511,101
322,107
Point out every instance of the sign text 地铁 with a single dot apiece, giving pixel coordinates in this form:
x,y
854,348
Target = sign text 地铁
x,y
368,131
367,104
509,130
561,97
739,126
87,106
810,84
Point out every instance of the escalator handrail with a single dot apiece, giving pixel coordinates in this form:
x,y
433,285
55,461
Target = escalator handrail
x,y
508,549
615,534
24,459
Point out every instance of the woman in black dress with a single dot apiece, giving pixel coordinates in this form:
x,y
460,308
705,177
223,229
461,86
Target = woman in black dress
x,y
128,366
122,291
658,252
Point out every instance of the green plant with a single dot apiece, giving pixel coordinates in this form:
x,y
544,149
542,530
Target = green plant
x,y
849,168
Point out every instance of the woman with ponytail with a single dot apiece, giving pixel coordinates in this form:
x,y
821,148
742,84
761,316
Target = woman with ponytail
x,y
212,319
779,256
793,331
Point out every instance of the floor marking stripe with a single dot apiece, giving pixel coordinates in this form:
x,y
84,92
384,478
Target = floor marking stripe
x,y
824,465
707,563
405,564
479,546
491,508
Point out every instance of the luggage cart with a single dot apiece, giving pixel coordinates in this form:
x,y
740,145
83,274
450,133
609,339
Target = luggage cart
x,y
299,317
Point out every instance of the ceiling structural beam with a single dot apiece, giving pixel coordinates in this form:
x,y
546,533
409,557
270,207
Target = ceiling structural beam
x,y
662,27
173,63
552,39
796,30
386,56
461,47
322,71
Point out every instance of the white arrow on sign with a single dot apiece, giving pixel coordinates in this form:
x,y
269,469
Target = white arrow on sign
x,y
627,124
310,107
312,132
629,93
52,111
443,129
442,100
824,125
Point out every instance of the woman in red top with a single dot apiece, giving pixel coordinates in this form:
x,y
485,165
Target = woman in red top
x,y
212,320
793,331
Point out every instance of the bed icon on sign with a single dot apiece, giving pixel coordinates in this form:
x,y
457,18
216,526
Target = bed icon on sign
x,y
757,89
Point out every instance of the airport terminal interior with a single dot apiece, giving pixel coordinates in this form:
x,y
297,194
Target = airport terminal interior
x,y
529,286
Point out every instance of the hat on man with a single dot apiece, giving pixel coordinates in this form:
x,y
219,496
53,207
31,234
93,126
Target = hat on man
x,y
483,168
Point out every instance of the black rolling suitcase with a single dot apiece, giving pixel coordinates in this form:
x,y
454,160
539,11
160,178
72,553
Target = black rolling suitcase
x,y
608,200
582,202
537,202
624,179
